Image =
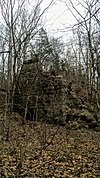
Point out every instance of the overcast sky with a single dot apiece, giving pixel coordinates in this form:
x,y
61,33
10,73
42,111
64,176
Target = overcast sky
x,y
58,18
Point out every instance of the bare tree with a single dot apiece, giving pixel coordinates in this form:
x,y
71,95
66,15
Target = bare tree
x,y
21,26
88,22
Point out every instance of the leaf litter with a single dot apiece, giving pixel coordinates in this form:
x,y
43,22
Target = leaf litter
x,y
71,153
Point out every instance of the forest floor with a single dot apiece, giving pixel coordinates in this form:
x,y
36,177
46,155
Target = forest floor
x,y
48,151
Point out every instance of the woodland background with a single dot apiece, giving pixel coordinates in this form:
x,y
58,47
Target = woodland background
x,y
49,93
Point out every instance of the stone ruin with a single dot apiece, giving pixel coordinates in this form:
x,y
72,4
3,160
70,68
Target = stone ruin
x,y
42,92
46,96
